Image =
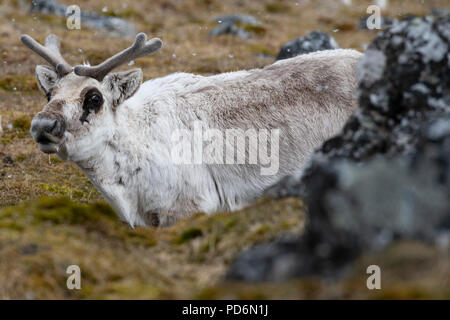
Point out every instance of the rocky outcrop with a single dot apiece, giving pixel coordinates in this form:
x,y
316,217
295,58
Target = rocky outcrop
x,y
404,78
386,176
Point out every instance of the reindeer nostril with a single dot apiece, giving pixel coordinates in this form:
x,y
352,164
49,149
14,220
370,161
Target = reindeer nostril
x,y
43,139
46,130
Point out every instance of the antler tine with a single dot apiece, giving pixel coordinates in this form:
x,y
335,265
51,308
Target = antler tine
x,y
139,49
50,52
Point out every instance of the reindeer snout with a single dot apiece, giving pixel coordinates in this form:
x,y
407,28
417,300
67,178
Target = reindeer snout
x,y
47,129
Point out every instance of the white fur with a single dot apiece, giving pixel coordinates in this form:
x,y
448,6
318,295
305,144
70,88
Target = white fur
x,y
126,152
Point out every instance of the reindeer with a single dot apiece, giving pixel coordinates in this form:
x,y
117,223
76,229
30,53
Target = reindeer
x,y
118,130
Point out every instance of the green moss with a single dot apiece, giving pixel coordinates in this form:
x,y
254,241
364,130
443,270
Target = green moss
x,y
140,236
230,223
11,225
5,140
18,83
22,157
208,294
62,190
54,159
210,243
255,29
22,124
258,48
189,234
62,210
124,14
277,7
51,20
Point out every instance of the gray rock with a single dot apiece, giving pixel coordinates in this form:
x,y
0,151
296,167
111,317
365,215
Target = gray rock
x,y
360,207
386,176
242,18
227,25
402,80
115,26
229,28
404,77
314,41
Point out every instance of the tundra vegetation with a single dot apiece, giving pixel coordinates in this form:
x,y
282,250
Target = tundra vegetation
x,y
52,217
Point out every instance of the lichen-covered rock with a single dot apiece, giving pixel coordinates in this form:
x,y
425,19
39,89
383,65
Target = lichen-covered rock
x,y
404,77
358,207
386,176
315,41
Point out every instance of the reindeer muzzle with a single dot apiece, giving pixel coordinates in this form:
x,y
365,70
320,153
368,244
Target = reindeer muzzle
x,y
47,129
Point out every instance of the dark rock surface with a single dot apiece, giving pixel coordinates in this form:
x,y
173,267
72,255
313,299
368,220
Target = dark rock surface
x,y
114,26
386,176
315,41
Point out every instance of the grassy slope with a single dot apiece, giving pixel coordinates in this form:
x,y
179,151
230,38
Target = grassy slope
x,y
41,236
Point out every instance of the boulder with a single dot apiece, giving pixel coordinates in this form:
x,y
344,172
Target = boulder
x,y
315,41
386,176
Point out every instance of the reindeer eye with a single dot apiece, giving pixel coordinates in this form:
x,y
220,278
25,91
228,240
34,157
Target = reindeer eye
x,y
93,101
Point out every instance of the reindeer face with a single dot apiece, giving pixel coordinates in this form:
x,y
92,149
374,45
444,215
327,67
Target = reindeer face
x,y
78,107
81,100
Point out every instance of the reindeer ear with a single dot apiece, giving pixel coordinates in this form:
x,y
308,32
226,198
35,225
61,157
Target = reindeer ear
x,y
122,85
46,78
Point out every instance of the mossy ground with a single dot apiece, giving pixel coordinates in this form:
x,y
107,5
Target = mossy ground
x,y
39,239
51,216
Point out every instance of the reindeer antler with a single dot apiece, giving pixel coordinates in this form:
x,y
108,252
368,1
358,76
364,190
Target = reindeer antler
x,y
50,52
139,49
